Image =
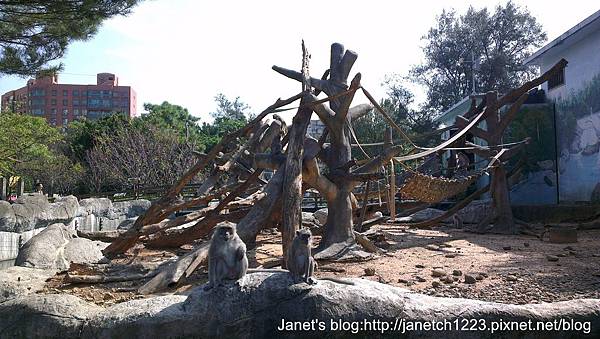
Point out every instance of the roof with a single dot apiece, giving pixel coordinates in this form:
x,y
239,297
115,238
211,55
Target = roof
x,y
590,23
458,108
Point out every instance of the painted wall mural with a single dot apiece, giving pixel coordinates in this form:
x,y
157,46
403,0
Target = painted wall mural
x,y
578,125
537,182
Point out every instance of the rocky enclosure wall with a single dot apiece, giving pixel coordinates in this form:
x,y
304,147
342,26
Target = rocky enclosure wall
x,y
32,213
264,303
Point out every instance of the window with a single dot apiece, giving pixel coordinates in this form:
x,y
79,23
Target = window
x,y
38,102
84,112
75,102
65,102
106,103
65,112
53,92
53,102
106,93
65,121
75,92
557,79
94,102
37,92
65,93
37,111
53,111
76,111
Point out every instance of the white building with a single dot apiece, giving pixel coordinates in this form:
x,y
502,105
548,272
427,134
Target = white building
x,y
576,94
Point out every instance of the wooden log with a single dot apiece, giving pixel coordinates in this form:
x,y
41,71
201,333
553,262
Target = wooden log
x,y
105,236
97,279
292,181
154,214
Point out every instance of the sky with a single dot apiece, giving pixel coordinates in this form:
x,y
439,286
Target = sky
x,y
187,51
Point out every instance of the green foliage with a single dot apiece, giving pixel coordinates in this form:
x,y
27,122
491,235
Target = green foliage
x,y
173,118
24,139
498,43
236,109
82,134
35,32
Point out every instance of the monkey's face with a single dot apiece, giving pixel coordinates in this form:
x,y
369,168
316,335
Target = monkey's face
x,y
304,235
226,233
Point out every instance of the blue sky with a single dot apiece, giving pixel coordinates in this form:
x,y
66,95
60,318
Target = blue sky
x,y
186,51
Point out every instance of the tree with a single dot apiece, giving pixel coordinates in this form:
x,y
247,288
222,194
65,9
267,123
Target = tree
x,y
229,116
35,32
151,156
236,109
24,139
175,118
487,47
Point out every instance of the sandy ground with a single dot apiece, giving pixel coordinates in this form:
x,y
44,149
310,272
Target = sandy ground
x,y
505,269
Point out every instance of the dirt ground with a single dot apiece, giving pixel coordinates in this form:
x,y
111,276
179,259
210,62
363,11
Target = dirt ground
x,y
507,269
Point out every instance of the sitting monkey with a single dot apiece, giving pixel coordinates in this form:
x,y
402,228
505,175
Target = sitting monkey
x,y
299,259
226,256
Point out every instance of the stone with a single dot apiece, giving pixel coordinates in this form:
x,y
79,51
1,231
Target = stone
x,y
7,217
56,247
469,279
479,277
420,279
369,271
321,215
131,208
507,248
457,273
447,280
422,215
526,244
420,266
436,284
233,312
19,281
100,207
552,257
450,255
511,278
438,273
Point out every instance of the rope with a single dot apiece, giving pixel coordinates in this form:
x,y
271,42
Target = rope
x,y
387,117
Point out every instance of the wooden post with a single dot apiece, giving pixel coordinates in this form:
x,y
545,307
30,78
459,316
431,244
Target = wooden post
x,y
292,181
3,188
20,187
389,143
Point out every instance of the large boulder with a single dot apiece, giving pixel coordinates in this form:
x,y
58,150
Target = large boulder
x,y
132,208
7,217
100,207
321,215
56,247
29,209
18,281
265,300
64,209
33,211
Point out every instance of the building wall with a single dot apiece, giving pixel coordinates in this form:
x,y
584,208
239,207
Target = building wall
x,y
63,103
577,117
583,56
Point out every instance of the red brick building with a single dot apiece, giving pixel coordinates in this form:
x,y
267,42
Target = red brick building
x,y
63,103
